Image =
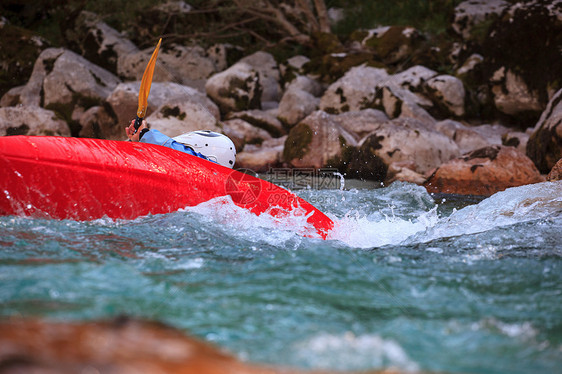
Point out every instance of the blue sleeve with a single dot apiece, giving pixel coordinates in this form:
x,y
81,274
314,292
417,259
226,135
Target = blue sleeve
x,y
156,137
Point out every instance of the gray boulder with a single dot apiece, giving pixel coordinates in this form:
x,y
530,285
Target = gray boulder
x,y
100,43
262,157
361,123
236,88
317,141
356,90
295,105
98,123
448,93
179,116
242,133
31,120
260,119
471,14
268,70
407,141
512,95
124,99
189,66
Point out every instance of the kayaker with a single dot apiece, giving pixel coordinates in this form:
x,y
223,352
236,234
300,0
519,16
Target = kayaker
x,y
205,144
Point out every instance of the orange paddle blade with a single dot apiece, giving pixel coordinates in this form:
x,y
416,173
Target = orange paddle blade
x,y
147,82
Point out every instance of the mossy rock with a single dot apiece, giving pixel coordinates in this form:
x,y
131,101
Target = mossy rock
x,y
365,164
298,142
331,67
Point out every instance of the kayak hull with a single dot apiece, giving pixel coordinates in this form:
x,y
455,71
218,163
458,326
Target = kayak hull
x,y
86,179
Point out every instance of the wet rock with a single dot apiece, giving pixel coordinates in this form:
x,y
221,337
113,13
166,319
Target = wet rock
x,y
545,144
448,93
404,140
31,120
522,52
242,133
179,116
391,44
261,119
484,172
266,66
262,157
237,88
556,172
361,123
186,65
356,90
101,123
474,15
99,43
295,105
317,141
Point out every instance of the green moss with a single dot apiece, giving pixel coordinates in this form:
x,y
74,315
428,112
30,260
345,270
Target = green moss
x,y
298,142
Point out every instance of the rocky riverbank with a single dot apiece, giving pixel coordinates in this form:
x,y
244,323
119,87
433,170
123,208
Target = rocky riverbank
x,y
475,113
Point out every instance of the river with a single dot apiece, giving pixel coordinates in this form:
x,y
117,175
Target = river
x,y
405,280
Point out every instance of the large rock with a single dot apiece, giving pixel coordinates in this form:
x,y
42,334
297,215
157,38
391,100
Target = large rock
x,y
356,90
242,133
262,157
470,138
306,84
361,123
73,78
317,141
295,105
236,88
124,99
31,93
261,119
484,172
523,52
100,122
179,116
406,141
267,67
512,95
472,15
448,93
100,43
401,103
31,120
545,144
189,66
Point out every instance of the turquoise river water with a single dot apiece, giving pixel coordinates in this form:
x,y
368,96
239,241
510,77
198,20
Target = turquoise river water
x,y
406,280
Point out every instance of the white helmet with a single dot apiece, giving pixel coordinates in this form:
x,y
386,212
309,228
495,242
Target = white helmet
x,y
217,147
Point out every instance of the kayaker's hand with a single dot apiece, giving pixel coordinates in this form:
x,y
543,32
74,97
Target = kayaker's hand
x,y
134,137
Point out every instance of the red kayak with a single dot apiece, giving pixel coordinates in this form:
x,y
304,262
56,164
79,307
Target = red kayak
x,y
85,179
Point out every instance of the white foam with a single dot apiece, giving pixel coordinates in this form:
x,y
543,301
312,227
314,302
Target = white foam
x,y
338,352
